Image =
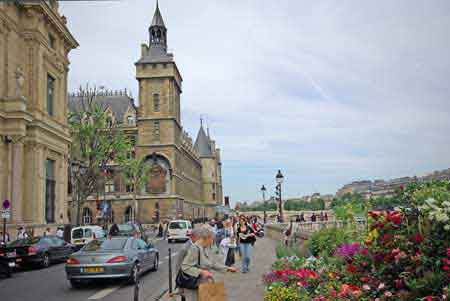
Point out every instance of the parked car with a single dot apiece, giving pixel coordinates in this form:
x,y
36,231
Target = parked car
x,y
179,230
132,229
85,234
115,257
7,262
39,250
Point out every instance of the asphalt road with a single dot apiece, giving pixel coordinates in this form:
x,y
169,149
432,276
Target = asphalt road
x,y
51,284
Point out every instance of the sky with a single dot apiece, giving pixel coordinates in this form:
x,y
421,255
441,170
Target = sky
x,y
327,91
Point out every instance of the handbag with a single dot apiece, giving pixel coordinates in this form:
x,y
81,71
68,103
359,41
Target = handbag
x,y
185,280
230,260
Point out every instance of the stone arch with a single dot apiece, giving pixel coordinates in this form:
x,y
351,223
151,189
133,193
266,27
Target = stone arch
x,y
159,174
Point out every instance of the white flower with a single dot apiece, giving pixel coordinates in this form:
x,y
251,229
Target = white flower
x,y
447,227
430,201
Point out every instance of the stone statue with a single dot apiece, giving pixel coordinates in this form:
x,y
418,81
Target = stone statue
x,y
20,81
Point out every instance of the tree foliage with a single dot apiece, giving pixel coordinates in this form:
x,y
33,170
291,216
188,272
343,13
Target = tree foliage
x,y
96,141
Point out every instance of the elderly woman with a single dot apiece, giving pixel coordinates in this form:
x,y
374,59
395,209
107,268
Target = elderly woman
x,y
191,265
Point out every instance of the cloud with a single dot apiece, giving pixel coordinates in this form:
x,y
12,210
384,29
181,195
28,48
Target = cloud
x,y
328,91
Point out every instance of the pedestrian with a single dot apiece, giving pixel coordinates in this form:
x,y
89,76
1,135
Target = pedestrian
x,y
326,216
21,234
184,250
321,216
47,232
114,230
288,233
7,238
228,245
160,230
197,263
313,217
246,240
60,232
302,217
67,233
220,234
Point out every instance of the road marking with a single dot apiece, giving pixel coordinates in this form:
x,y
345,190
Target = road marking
x,y
103,293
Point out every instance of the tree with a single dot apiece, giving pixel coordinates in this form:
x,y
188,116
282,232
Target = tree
x,y
135,173
96,141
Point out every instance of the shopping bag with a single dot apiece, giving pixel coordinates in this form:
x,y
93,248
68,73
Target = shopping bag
x,y
211,292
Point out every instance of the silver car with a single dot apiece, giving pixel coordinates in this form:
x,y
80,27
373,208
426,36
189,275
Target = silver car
x,y
116,257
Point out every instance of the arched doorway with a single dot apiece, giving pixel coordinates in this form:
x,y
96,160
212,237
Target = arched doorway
x,y
87,216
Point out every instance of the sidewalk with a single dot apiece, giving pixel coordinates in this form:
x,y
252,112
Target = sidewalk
x,y
249,286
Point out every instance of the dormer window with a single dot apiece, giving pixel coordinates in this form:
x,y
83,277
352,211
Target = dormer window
x,y
130,120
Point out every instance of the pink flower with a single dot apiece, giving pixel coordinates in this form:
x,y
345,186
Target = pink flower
x,y
381,286
388,294
366,287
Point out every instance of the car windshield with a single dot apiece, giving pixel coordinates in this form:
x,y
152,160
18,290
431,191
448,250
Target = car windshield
x,y
105,245
125,228
177,225
77,233
24,242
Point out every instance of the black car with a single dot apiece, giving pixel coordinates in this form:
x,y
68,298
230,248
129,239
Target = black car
x,y
40,250
7,262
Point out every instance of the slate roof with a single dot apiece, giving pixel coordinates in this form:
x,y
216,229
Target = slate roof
x,y
157,17
202,144
118,103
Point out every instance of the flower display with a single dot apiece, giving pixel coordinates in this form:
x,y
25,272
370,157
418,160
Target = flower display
x,y
402,254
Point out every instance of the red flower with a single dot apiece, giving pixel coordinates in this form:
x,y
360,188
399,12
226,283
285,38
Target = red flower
x,y
351,268
429,298
417,238
448,252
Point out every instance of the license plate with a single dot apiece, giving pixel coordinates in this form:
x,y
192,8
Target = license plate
x,y
12,264
19,260
11,254
93,270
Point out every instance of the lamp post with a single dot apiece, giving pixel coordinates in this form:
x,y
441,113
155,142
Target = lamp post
x,y
279,178
263,190
75,169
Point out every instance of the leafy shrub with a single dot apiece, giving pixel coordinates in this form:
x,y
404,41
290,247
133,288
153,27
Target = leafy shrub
x,y
325,241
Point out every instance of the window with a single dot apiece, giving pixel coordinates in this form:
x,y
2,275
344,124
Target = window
x,y
51,41
156,104
50,94
109,185
156,130
87,216
130,120
50,184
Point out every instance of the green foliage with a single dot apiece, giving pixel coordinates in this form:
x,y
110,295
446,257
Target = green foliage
x,y
290,204
300,251
325,241
95,142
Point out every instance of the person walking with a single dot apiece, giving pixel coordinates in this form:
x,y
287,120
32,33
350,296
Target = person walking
x,y
22,234
47,232
67,233
288,233
60,232
160,230
247,238
114,230
197,263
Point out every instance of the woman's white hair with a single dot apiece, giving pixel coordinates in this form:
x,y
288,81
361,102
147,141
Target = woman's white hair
x,y
205,232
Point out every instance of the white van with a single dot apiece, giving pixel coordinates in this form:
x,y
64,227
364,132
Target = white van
x,y
179,230
84,234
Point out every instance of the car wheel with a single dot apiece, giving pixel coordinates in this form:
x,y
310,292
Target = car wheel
x,y
45,261
169,241
75,283
155,263
134,274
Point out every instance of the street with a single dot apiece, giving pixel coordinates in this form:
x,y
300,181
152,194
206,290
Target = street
x,y
51,284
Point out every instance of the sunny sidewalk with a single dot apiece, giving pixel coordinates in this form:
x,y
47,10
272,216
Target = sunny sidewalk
x,y
249,286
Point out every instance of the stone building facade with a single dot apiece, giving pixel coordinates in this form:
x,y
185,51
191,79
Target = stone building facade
x,y
34,136
185,177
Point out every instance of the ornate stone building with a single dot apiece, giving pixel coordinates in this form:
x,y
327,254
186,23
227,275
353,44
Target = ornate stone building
x,y
34,136
184,178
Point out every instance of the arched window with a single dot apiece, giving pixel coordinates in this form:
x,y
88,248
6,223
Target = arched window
x,y
128,217
87,216
159,175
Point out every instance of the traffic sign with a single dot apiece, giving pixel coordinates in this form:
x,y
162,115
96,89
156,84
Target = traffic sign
x,y
6,213
6,204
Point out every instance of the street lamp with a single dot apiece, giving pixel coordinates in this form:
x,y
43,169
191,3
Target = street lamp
x,y
279,178
263,190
